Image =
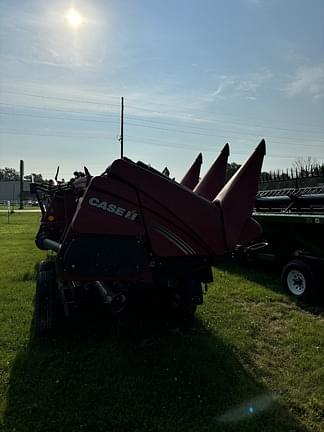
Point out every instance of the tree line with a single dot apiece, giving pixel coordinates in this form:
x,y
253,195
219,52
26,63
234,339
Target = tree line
x,y
10,174
307,171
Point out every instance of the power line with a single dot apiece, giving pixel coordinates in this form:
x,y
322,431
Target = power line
x,y
59,98
201,128
175,129
152,127
221,120
39,133
85,135
58,118
159,112
30,107
283,156
211,135
195,147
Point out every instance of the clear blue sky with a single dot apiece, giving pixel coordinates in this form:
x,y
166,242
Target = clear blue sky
x,y
194,74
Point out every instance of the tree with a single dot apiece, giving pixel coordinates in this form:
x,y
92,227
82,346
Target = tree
x,y
8,174
307,164
231,169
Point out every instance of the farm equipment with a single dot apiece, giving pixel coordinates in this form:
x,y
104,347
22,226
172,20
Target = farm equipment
x,y
134,227
292,221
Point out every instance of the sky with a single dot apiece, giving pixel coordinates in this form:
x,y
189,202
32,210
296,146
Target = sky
x,y
194,75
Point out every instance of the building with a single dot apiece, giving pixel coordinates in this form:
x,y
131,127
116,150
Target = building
x,y
10,191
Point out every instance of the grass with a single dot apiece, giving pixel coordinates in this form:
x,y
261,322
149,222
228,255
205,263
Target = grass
x,y
16,207
252,360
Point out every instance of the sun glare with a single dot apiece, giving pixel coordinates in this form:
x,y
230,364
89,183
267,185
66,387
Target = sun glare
x,y
73,18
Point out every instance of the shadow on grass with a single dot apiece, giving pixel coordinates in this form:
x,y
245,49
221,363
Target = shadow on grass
x,y
268,275
137,374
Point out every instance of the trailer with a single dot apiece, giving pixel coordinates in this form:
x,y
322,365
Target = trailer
x,y
292,221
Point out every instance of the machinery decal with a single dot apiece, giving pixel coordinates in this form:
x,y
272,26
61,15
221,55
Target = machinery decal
x,y
113,208
173,238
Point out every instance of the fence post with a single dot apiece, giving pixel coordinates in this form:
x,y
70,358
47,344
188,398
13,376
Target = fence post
x,y
8,204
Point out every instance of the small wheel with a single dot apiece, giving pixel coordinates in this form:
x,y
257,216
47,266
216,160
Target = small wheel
x,y
45,300
297,279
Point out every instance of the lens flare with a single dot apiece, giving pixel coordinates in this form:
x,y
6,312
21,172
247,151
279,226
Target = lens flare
x,y
247,409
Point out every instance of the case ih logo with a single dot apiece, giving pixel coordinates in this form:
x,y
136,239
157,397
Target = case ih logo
x,y
113,208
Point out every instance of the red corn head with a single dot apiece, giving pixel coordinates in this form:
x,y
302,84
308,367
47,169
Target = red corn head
x,y
214,179
133,229
134,224
237,197
191,178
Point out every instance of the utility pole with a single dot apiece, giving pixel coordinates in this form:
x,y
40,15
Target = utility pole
x,y
21,195
122,129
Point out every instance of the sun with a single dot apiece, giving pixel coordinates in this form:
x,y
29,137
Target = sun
x,y
73,18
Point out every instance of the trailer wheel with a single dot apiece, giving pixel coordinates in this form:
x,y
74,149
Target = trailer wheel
x,y
297,279
45,300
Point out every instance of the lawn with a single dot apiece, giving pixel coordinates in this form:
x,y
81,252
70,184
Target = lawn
x,y
16,207
252,360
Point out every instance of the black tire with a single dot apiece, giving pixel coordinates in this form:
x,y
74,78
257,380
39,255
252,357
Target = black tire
x,y
182,299
45,301
297,279
181,306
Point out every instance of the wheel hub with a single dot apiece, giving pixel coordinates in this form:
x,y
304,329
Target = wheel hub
x,y
296,282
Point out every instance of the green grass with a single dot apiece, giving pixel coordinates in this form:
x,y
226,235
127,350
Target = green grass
x,y
16,207
250,348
